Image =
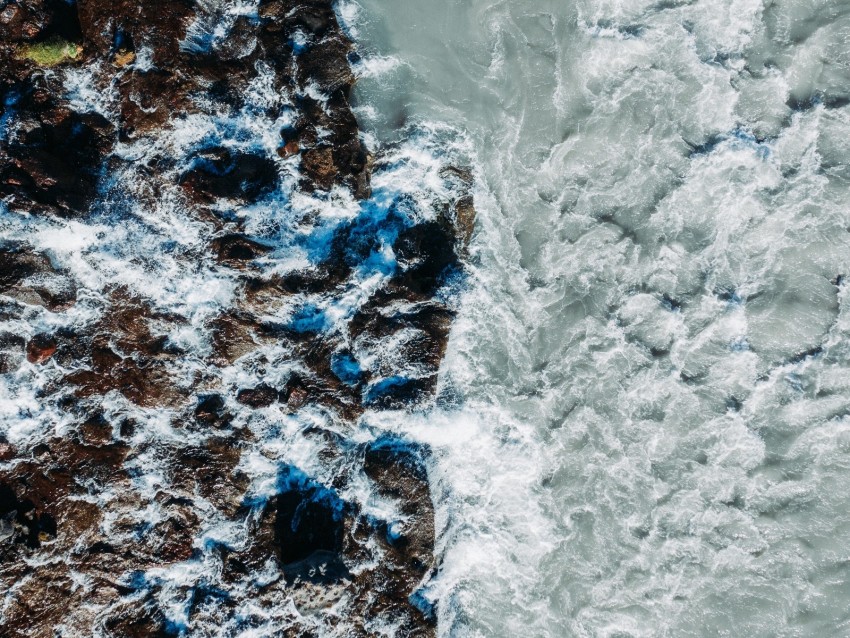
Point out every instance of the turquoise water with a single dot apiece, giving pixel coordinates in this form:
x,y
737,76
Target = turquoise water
x,y
648,431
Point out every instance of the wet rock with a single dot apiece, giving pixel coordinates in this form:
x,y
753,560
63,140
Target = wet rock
x,y
211,411
464,218
306,525
297,397
158,25
51,159
11,351
235,250
148,99
426,327
96,430
232,336
40,348
42,597
327,64
260,397
210,470
31,278
426,253
121,353
397,467
137,621
289,149
224,173
22,521
241,42
318,164
165,424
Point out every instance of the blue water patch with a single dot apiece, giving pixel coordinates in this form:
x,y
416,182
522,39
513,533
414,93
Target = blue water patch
x,y
364,239
175,627
738,138
319,242
731,297
394,532
309,318
420,600
743,138
385,387
379,224
740,345
10,101
346,368
298,45
137,581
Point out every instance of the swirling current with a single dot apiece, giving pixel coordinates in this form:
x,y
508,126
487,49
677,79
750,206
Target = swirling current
x,y
468,318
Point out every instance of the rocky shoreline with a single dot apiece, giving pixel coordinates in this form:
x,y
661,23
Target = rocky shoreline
x,y
201,284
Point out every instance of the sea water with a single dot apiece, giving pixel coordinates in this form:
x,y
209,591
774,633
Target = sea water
x,y
642,426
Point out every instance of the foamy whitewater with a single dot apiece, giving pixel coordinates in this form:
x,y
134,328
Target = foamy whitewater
x,y
644,426
642,423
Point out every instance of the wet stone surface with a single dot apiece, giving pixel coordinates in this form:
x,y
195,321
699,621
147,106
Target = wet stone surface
x,y
208,286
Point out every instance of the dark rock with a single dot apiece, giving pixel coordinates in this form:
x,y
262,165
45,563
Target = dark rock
x,y
52,158
425,252
211,411
327,65
308,518
159,25
464,217
21,521
138,621
96,430
235,250
318,164
260,397
40,348
230,174
31,278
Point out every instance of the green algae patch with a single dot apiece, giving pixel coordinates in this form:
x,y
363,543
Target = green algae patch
x,y
50,53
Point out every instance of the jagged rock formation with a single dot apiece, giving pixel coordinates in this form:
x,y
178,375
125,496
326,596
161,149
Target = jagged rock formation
x,y
201,296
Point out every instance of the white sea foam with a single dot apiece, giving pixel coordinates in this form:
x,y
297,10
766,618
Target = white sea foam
x,y
651,358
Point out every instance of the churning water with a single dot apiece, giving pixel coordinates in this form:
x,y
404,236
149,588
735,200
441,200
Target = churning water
x,y
643,419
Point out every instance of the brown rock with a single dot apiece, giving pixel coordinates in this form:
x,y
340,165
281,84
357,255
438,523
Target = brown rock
x,y
289,149
31,278
232,337
40,348
318,164
51,160
236,250
260,397
297,398
7,452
